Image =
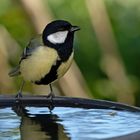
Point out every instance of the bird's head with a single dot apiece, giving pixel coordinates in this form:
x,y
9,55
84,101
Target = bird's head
x,y
57,32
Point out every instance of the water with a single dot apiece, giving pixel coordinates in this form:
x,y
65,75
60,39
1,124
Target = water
x,y
66,124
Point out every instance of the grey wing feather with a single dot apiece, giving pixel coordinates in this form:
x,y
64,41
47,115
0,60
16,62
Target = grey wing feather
x,y
33,44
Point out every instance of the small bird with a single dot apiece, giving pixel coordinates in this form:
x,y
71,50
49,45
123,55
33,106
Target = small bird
x,y
48,56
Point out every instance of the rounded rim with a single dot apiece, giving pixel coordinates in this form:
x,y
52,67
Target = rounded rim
x,y
60,101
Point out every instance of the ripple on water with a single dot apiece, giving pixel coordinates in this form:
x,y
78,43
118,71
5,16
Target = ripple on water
x,y
77,123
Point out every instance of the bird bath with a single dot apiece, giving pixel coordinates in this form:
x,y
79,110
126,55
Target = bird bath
x,y
71,119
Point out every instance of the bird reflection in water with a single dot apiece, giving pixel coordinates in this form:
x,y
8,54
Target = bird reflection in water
x,y
40,126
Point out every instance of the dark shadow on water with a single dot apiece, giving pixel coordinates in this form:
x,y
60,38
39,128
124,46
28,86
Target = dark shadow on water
x,y
40,126
66,123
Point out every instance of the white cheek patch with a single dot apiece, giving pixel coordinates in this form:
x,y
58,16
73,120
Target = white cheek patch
x,y
58,37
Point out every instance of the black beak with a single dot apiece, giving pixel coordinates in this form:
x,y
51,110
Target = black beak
x,y
74,28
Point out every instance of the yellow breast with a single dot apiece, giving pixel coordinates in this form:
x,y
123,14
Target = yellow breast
x,y
64,66
38,64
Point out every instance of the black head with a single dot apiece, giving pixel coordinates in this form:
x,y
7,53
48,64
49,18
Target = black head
x,y
57,32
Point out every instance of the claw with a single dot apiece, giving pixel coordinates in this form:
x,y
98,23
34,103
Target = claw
x,y
50,97
19,95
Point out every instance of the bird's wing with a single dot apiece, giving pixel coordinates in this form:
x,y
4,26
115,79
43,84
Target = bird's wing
x,y
33,44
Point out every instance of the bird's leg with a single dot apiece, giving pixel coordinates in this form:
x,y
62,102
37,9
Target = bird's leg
x,y
51,96
19,94
18,106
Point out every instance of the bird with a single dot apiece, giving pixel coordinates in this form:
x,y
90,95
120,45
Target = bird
x,y
48,56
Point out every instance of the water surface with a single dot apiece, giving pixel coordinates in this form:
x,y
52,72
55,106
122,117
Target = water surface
x,y
66,123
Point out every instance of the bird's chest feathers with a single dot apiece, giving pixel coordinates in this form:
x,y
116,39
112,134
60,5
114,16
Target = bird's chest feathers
x,y
64,66
38,64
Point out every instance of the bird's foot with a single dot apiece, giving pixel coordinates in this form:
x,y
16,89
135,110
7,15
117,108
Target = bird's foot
x,y
18,107
18,96
50,97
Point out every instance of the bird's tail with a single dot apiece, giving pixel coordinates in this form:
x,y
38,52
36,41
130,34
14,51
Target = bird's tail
x,y
14,72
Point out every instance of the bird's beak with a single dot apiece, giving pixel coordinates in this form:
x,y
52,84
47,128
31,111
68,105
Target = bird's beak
x,y
74,28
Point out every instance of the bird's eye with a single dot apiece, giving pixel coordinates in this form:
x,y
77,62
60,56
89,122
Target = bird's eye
x,y
61,29
64,28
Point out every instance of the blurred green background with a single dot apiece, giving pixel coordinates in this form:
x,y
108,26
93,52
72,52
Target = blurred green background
x,y
107,48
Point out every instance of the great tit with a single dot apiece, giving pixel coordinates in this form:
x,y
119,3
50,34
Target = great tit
x,y
48,56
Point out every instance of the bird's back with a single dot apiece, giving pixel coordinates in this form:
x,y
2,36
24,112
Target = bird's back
x,y
33,44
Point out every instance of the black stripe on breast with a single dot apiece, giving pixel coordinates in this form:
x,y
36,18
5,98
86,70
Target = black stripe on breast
x,y
51,76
